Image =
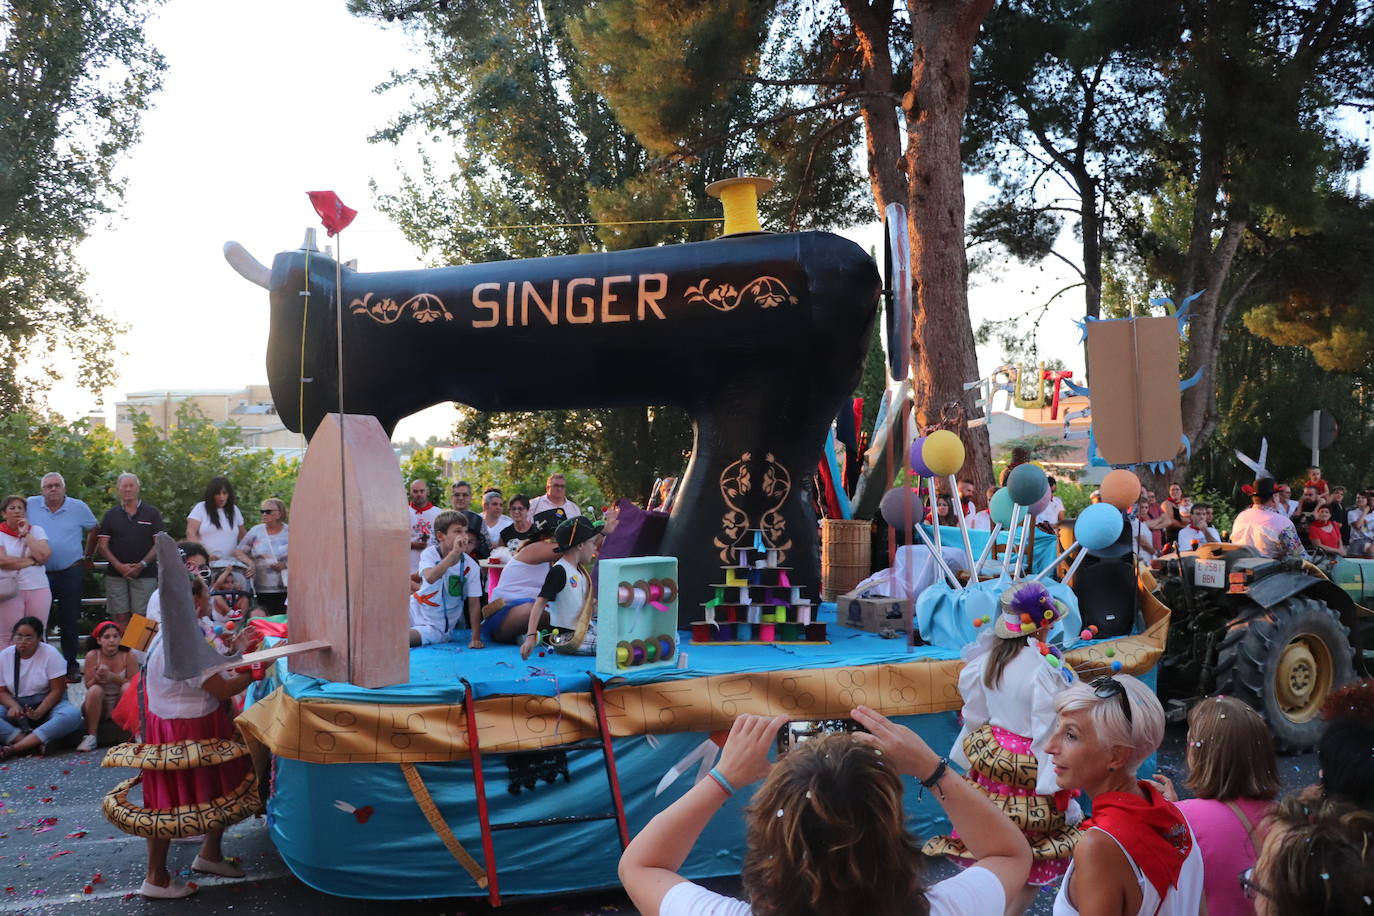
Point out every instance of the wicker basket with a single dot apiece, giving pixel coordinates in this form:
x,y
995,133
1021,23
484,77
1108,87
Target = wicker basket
x,y
846,553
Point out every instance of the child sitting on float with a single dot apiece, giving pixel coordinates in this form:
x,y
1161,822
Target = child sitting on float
x,y
565,601
506,618
449,580
108,671
1009,686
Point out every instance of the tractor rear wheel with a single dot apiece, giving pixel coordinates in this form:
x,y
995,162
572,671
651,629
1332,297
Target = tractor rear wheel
x,y
1284,662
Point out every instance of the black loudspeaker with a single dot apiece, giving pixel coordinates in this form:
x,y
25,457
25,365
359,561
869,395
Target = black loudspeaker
x,y
1106,596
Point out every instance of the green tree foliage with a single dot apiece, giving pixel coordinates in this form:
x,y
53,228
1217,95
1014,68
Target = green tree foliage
x,y
817,76
1238,142
536,143
1064,100
173,466
1268,390
75,79
1318,291
423,464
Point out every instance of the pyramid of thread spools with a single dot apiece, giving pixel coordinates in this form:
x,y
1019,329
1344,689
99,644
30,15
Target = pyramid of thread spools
x,y
757,604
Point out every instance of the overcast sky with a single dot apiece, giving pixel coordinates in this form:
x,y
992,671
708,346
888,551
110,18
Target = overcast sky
x,y
264,101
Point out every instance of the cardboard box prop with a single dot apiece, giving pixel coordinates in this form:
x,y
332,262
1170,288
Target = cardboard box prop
x,y
876,614
1133,364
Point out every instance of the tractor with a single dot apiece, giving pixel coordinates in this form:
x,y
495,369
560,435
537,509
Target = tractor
x,y
1278,634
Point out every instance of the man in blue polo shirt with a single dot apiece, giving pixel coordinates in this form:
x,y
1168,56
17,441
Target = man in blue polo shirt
x,y
67,521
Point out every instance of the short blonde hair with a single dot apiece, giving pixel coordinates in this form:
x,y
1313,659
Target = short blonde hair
x,y
1141,734
277,504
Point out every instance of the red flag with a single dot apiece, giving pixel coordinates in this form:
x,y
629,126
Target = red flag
x,y
332,211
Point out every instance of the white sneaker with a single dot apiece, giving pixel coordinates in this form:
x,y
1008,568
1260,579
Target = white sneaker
x,y
87,744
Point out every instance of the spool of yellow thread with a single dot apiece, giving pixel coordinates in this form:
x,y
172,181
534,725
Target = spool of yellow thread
x,y
740,199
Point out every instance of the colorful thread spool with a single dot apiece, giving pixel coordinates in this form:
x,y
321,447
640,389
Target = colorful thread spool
x,y
744,632
767,632
815,632
666,647
669,591
789,632
622,654
727,632
637,653
755,613
624,594
655,590
702,632
804,613
650,651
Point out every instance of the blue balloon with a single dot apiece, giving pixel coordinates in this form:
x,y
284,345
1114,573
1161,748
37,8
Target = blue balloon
x,y
1027,483
1098,526
1000,507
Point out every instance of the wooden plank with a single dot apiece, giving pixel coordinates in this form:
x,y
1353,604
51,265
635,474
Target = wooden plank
x,y
364,495
267,655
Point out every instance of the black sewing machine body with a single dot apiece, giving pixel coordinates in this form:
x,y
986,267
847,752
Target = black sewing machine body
x,y
760,338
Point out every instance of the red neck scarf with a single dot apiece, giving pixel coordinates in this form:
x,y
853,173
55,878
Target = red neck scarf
x,y
6,529
425,508
1150,829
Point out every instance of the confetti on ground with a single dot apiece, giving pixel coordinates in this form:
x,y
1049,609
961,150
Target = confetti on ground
x,y
76,835
58,855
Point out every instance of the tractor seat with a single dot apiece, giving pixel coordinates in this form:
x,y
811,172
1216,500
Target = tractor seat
x,y
1224,551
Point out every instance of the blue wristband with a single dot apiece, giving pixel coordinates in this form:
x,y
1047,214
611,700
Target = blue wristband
x,y
722,782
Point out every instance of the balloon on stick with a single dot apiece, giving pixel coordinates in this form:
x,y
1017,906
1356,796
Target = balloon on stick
x,y
1001,507
904,499
1120,488
1027,483
943,453
1097,527
917,461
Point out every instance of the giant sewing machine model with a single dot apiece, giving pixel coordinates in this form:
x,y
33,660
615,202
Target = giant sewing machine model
x,y
760,337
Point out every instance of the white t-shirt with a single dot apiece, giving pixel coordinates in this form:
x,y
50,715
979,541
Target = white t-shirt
x,y
1189,537
1263,530
520,580
172,699
1142,534
973,891
421,524
493,532
218,542
35,673
980,521
30,576
541,503
442,604
1051,513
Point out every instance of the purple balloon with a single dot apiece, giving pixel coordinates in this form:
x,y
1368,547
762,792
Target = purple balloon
x,y
917,463
1039,505
897,502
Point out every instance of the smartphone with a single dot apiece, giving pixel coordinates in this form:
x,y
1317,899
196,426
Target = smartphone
x,y
800,731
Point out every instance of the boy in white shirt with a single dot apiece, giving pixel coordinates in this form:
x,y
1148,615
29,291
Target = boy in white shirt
x,y
1199,529
449,579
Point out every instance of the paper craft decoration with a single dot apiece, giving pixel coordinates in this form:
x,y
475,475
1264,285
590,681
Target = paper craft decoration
x,y
636,614
1136,413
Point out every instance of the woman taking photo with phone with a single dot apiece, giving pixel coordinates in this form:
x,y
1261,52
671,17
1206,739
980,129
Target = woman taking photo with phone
x,y
826,831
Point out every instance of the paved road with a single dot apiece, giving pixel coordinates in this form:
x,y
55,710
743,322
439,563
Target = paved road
x,y
54,842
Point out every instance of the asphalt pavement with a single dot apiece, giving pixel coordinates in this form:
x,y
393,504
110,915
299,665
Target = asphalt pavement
x,y
59,855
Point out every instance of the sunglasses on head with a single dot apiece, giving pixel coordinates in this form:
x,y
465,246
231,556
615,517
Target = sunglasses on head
x,y
1104,688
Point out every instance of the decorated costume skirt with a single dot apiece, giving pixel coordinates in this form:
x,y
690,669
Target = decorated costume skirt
x,y
195,777
1003,767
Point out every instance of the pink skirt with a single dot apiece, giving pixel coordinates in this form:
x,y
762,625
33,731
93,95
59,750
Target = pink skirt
x,y
173,788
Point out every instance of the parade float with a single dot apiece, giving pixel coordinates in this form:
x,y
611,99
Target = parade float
x,y
447,771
